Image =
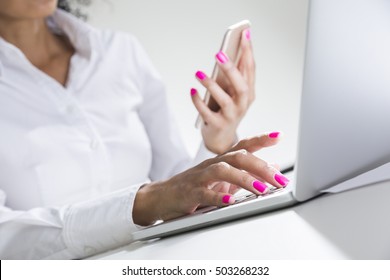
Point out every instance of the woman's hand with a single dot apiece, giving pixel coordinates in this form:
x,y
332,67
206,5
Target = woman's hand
x,y
234,96
210,183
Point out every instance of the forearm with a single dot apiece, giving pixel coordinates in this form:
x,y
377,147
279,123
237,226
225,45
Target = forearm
x,y
146,204
74,231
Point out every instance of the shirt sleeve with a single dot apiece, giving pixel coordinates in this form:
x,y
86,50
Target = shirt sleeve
x,y
97,225
70,232
168,151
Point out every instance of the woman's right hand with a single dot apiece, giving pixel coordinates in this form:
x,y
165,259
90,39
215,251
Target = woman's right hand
x,y
184,193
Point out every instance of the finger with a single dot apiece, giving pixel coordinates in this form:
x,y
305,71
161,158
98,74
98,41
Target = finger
x,y
272,165
222,171
275,165
256,167
221,97
212,198
233,189
207,115
225,187
240,85
247,65
256,143
221,187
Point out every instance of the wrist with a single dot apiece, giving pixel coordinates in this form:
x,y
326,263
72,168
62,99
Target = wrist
x,y
146,205
221,146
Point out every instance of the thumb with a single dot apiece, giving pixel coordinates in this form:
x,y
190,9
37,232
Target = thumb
x,y
256,143
212,198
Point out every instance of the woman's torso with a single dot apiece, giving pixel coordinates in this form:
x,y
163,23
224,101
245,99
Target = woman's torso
x,y
61,145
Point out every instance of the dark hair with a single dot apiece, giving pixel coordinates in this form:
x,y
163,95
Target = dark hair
x,y
73,7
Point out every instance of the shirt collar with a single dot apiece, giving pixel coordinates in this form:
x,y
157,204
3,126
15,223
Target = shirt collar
x,y
79,33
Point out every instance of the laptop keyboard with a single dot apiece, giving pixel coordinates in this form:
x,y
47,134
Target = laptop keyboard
x,y
250,196
241,196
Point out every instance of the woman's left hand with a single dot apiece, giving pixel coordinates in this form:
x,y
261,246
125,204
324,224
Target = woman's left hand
x,y
234,99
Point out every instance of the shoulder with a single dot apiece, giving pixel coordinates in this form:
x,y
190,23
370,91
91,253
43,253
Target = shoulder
x,y
118,42
124,49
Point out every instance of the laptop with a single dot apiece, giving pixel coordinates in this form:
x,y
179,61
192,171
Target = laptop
x,y
344,127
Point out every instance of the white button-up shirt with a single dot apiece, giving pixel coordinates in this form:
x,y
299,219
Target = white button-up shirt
x,y
72,158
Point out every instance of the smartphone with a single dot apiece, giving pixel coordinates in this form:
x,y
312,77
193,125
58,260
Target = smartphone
x,y
231,47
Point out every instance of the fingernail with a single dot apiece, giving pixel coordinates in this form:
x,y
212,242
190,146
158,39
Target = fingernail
x,y
261,187
200,75
281,179
228,199
193,91
222,57
273,134
248,34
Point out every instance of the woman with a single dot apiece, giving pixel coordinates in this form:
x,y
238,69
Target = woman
x,y
89,151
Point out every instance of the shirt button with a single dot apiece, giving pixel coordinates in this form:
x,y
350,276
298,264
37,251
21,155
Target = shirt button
x,y
94,144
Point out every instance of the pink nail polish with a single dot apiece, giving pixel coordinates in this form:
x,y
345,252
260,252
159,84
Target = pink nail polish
x,y
274,135
221,57
248,34
227,199
281,179
200,75
261,187
193,91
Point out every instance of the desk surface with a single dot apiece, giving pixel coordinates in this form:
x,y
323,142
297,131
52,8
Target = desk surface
x,y
349,225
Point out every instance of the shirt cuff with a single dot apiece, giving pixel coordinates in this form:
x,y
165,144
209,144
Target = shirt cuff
x,y
100,224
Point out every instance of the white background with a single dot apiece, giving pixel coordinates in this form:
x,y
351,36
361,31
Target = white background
x,y
183,36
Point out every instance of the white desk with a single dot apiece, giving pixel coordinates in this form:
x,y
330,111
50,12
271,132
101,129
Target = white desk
x,y
349,225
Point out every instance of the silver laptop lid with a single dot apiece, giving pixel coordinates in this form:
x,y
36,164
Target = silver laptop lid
x,y
345,107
